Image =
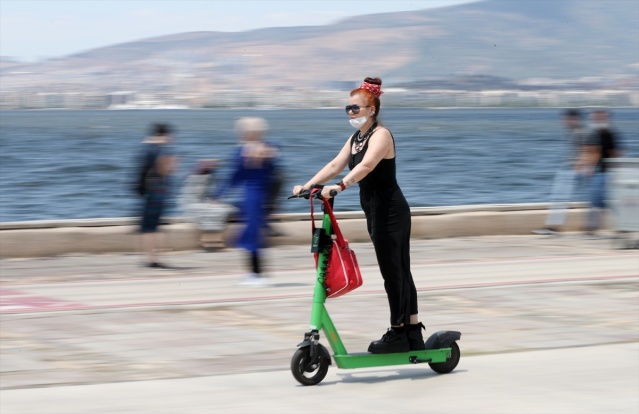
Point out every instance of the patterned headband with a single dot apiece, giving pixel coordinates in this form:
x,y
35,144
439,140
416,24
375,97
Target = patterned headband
x,y
375,89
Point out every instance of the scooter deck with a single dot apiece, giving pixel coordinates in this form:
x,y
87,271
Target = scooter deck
x,y
366,359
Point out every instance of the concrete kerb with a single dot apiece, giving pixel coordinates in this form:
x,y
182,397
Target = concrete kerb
x,y
108,235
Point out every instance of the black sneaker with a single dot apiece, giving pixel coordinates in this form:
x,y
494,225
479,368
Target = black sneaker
x,y
394,340
415,338
156,265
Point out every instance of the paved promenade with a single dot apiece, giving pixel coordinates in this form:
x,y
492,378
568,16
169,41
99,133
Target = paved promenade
x,y
550,308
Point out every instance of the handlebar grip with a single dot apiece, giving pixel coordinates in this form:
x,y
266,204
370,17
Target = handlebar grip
x,y
302,194
307,194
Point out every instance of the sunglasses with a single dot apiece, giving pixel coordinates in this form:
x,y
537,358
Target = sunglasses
x,y
354,108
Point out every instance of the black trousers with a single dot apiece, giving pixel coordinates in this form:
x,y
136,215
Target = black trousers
x,y
389,226
255,263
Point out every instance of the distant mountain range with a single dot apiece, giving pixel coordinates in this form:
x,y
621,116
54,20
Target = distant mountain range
x,y
513,39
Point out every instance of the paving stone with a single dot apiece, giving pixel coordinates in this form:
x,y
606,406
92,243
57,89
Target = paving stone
x,y
129,344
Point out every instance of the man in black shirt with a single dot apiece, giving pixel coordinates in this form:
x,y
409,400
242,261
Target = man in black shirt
x,y
569,175
600,144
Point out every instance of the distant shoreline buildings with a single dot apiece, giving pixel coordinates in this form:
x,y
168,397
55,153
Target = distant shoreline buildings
x,y
19,92
394,97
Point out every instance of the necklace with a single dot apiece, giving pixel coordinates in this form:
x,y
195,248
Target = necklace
x,y
360,139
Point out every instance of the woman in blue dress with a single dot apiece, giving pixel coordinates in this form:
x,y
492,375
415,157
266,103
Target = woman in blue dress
x,y
253,170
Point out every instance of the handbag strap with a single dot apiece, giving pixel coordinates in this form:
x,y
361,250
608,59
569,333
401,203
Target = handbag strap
x,y
327,208
312,210
316,255
338,233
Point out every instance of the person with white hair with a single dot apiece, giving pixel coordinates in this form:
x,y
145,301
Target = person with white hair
x,y
253,168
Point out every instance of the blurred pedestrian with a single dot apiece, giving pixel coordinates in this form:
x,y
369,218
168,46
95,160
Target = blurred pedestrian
x,y
209,218
370,155
156,165
602,143
278,179
570,174
253,166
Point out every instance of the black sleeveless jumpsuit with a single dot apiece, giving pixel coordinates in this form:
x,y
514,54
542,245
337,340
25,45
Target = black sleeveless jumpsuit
x,y
388,220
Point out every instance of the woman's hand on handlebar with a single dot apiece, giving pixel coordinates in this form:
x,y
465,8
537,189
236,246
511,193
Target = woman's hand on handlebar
x,y
330,191
298,189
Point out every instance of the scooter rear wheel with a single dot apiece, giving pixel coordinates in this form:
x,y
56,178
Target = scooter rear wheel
x,y
450,364
305,372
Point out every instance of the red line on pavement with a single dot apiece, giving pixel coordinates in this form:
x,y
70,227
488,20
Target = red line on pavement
x,y
26,303
10,292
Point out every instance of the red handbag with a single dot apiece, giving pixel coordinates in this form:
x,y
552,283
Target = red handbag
x,y
342,274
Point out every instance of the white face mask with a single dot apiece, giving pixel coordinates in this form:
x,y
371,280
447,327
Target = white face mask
x,y
358,122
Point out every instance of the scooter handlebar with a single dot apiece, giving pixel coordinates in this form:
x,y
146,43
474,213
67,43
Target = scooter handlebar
x,y
302,194
309,193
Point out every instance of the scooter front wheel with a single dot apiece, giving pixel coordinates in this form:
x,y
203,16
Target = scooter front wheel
x,y
450,364
304,371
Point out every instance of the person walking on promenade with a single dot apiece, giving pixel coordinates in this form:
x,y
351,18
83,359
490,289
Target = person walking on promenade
x,y
370,155
253,167
570,174
156,164
210,218
601,143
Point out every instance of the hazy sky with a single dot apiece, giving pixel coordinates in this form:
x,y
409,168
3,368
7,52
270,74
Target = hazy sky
x,y
36,29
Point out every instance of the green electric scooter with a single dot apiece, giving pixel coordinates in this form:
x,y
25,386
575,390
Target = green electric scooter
x,y
310,362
